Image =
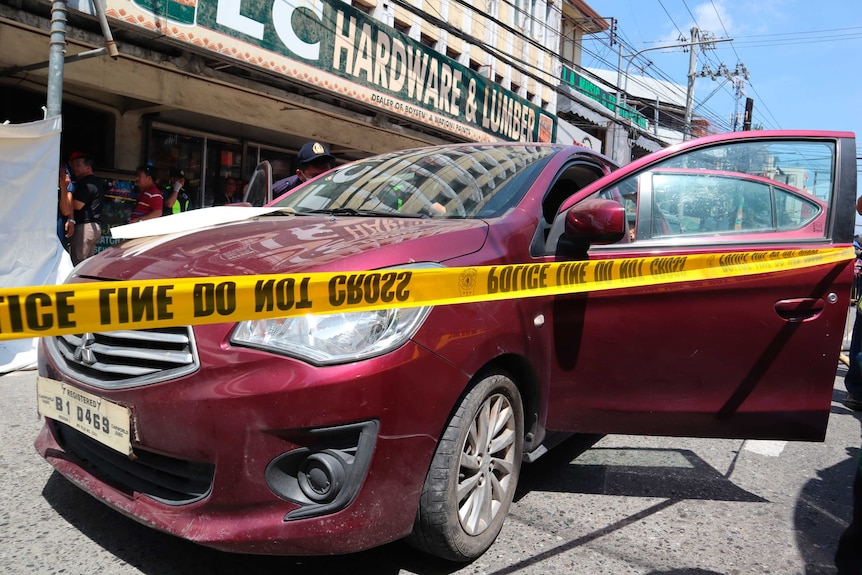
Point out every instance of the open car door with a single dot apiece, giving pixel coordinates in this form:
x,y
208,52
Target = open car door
x,y
259,190
747,356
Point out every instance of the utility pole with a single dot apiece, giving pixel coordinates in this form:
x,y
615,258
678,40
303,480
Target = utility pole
x,y
692,42
737,77
613,125
749,108
706,40
56,53
689,95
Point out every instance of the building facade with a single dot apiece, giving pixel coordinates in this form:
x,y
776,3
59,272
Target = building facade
x,y
215,86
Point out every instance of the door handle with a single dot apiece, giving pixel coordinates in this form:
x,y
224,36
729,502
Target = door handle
x,y
799,309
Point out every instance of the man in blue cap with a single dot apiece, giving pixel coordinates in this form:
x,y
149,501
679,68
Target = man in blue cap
x,y
312,160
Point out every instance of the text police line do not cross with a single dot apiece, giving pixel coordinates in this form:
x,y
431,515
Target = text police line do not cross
x,y
101,306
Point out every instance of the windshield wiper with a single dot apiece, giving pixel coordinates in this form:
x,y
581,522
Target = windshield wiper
x,y
363,213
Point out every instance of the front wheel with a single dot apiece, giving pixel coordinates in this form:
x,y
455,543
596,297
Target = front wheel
x,y
473,475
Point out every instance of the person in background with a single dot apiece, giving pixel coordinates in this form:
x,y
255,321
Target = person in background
x,y
853,378
312,160
65,209
87,201
232,194
857,271
848,557
150,197
177,198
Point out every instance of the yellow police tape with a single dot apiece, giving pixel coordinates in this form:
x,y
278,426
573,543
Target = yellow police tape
x,y
106,306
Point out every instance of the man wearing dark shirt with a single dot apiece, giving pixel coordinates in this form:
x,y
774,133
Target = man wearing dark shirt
x,y
87,201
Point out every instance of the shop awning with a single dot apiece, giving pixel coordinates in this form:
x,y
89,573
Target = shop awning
x,y
647,144
570,101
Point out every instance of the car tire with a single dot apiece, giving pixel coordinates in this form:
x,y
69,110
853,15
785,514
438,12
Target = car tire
x,y
474,473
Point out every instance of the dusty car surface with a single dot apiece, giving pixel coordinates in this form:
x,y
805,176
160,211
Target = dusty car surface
x,y
319,434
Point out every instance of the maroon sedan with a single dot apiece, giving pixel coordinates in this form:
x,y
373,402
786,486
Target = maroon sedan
x,y
322,434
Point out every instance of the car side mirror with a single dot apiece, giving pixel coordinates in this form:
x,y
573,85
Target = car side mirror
x,y
596,221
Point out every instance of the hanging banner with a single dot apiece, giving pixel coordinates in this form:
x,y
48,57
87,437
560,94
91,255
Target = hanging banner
x,y
603,97
31,254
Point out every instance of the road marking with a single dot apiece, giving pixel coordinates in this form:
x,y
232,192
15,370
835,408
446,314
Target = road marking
x,y
765,447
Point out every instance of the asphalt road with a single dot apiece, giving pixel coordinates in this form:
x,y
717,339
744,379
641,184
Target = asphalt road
x,y
609,505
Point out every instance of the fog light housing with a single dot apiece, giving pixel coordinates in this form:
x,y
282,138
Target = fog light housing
x,y
325,476
321,476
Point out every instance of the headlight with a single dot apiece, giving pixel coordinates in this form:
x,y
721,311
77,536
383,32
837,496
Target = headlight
x,y
335,338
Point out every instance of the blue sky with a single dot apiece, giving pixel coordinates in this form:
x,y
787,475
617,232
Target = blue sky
x,y
804,58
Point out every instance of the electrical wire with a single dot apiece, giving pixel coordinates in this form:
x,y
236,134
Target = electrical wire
x,y
490,17
602,54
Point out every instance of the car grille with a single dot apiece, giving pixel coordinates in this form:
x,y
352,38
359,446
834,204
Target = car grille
x,y
166,479
123,359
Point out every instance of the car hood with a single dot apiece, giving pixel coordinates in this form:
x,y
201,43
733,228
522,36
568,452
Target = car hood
x,y
277,244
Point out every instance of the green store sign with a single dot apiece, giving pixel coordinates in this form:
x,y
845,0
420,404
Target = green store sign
x,y
604,98
337,48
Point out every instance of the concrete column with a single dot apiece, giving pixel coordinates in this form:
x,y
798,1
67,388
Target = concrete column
x,y
128,139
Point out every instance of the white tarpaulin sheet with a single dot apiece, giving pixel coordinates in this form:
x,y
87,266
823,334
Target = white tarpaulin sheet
x,y
31,254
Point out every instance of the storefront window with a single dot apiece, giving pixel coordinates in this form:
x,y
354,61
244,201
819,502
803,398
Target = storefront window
x,y
223,167
283,163
215,167
170,150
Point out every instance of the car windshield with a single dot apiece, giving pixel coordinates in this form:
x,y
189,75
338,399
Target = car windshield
x,y
469,181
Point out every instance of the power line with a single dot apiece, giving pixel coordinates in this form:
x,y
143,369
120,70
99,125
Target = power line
x,y
658,74
829,30
800,40
481,25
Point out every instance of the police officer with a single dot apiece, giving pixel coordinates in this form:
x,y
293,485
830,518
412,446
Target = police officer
x,y
177,198
312,160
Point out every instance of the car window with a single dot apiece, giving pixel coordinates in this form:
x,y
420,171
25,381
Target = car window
x,y
756,188
471,181
690,203
573,178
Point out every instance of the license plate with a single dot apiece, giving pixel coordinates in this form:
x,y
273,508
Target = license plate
x,y
105,421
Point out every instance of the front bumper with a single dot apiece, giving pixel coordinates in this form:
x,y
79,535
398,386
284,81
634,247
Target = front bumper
x,y
231,424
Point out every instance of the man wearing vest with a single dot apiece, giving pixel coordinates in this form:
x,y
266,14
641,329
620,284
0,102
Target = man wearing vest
x,y
177,198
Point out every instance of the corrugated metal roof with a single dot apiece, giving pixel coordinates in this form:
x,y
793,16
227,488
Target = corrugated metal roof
x,y
645,88
584,107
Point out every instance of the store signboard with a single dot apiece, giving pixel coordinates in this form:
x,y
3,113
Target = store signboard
x,y
336,48
606,99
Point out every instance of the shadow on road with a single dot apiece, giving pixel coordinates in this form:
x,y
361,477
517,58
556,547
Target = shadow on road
x,y
157,553
669,475
662,473
824,505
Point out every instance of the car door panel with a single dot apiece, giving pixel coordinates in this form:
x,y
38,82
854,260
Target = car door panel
x,y
751,356
684,352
